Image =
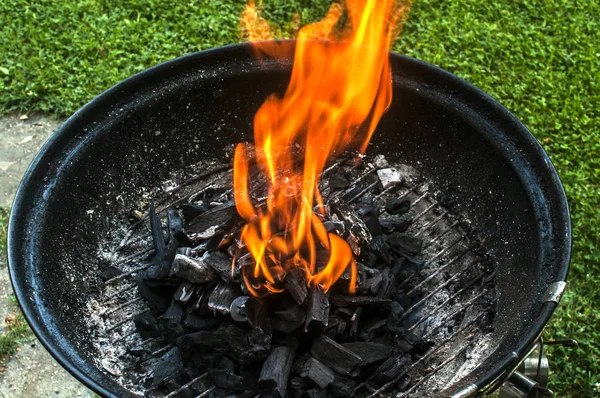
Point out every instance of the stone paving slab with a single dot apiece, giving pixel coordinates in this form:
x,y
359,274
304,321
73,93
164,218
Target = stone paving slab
x,y
31,372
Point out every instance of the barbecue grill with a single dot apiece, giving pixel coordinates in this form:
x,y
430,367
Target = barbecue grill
x,y
487,180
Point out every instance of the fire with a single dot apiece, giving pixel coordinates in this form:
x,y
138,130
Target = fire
x,y
339,89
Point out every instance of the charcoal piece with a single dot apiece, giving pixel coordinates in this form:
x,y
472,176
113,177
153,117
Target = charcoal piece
x,y
407,341
340,300
184,292
317,309
391,368
147,325
167,367
173,320
342,387
373,284
155,298
227,394
110,272
192,270
163,260
334,355
207,223
372,329
315,393
221,263
226,379
246,347
389,176
192,210
397,206
369,352
395,224
336,227
295,285
380,248
405,243
315,372
158,238
297,383
372,223
219,301
353,223
275,371
196,322
288,320
202,342
338,181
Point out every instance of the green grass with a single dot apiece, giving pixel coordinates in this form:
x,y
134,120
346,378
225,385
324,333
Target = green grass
x,y
541,59
16,332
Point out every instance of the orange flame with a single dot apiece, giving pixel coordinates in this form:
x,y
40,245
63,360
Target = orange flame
x,y
339,89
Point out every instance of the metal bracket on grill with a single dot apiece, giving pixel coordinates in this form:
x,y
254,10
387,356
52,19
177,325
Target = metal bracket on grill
x,y
554,292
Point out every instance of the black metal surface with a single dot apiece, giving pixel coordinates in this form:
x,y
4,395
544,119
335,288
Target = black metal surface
x,y
133,135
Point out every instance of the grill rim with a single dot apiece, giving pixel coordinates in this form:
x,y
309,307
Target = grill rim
x,y
18,223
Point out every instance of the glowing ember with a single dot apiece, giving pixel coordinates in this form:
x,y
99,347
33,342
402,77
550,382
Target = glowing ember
x,y
340,86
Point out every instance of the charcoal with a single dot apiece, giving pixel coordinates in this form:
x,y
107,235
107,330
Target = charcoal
x,y
389,176
397,206
395,224
155,298
288,320
246,347
173,320
219,301
373,284
340,300
317,310
192,270
163,260
338,181
221,263
297,383
342,387
147,325
110,272
167,367
295,285
226,379
201,342
334,355
158,238
380,248
175,223
315,393
372,223
405,243
196,322
315,372
275,371
206,224
192,210
391,368
369,352
410,342
184,292
227,394
353,223
336,227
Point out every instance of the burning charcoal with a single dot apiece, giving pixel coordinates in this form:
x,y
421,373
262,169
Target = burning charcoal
x,y
276,371
167,367
317,311
221,263
192,270
353,223
295,284
221,298
395,206
395,224
246,347
335,355
338,181
405,243
389,176
336,227
340,300
206,224
184,292
195,322
369,352
288,320
173,320
342,387
157,301
147,325
390,368
191,210
314,372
